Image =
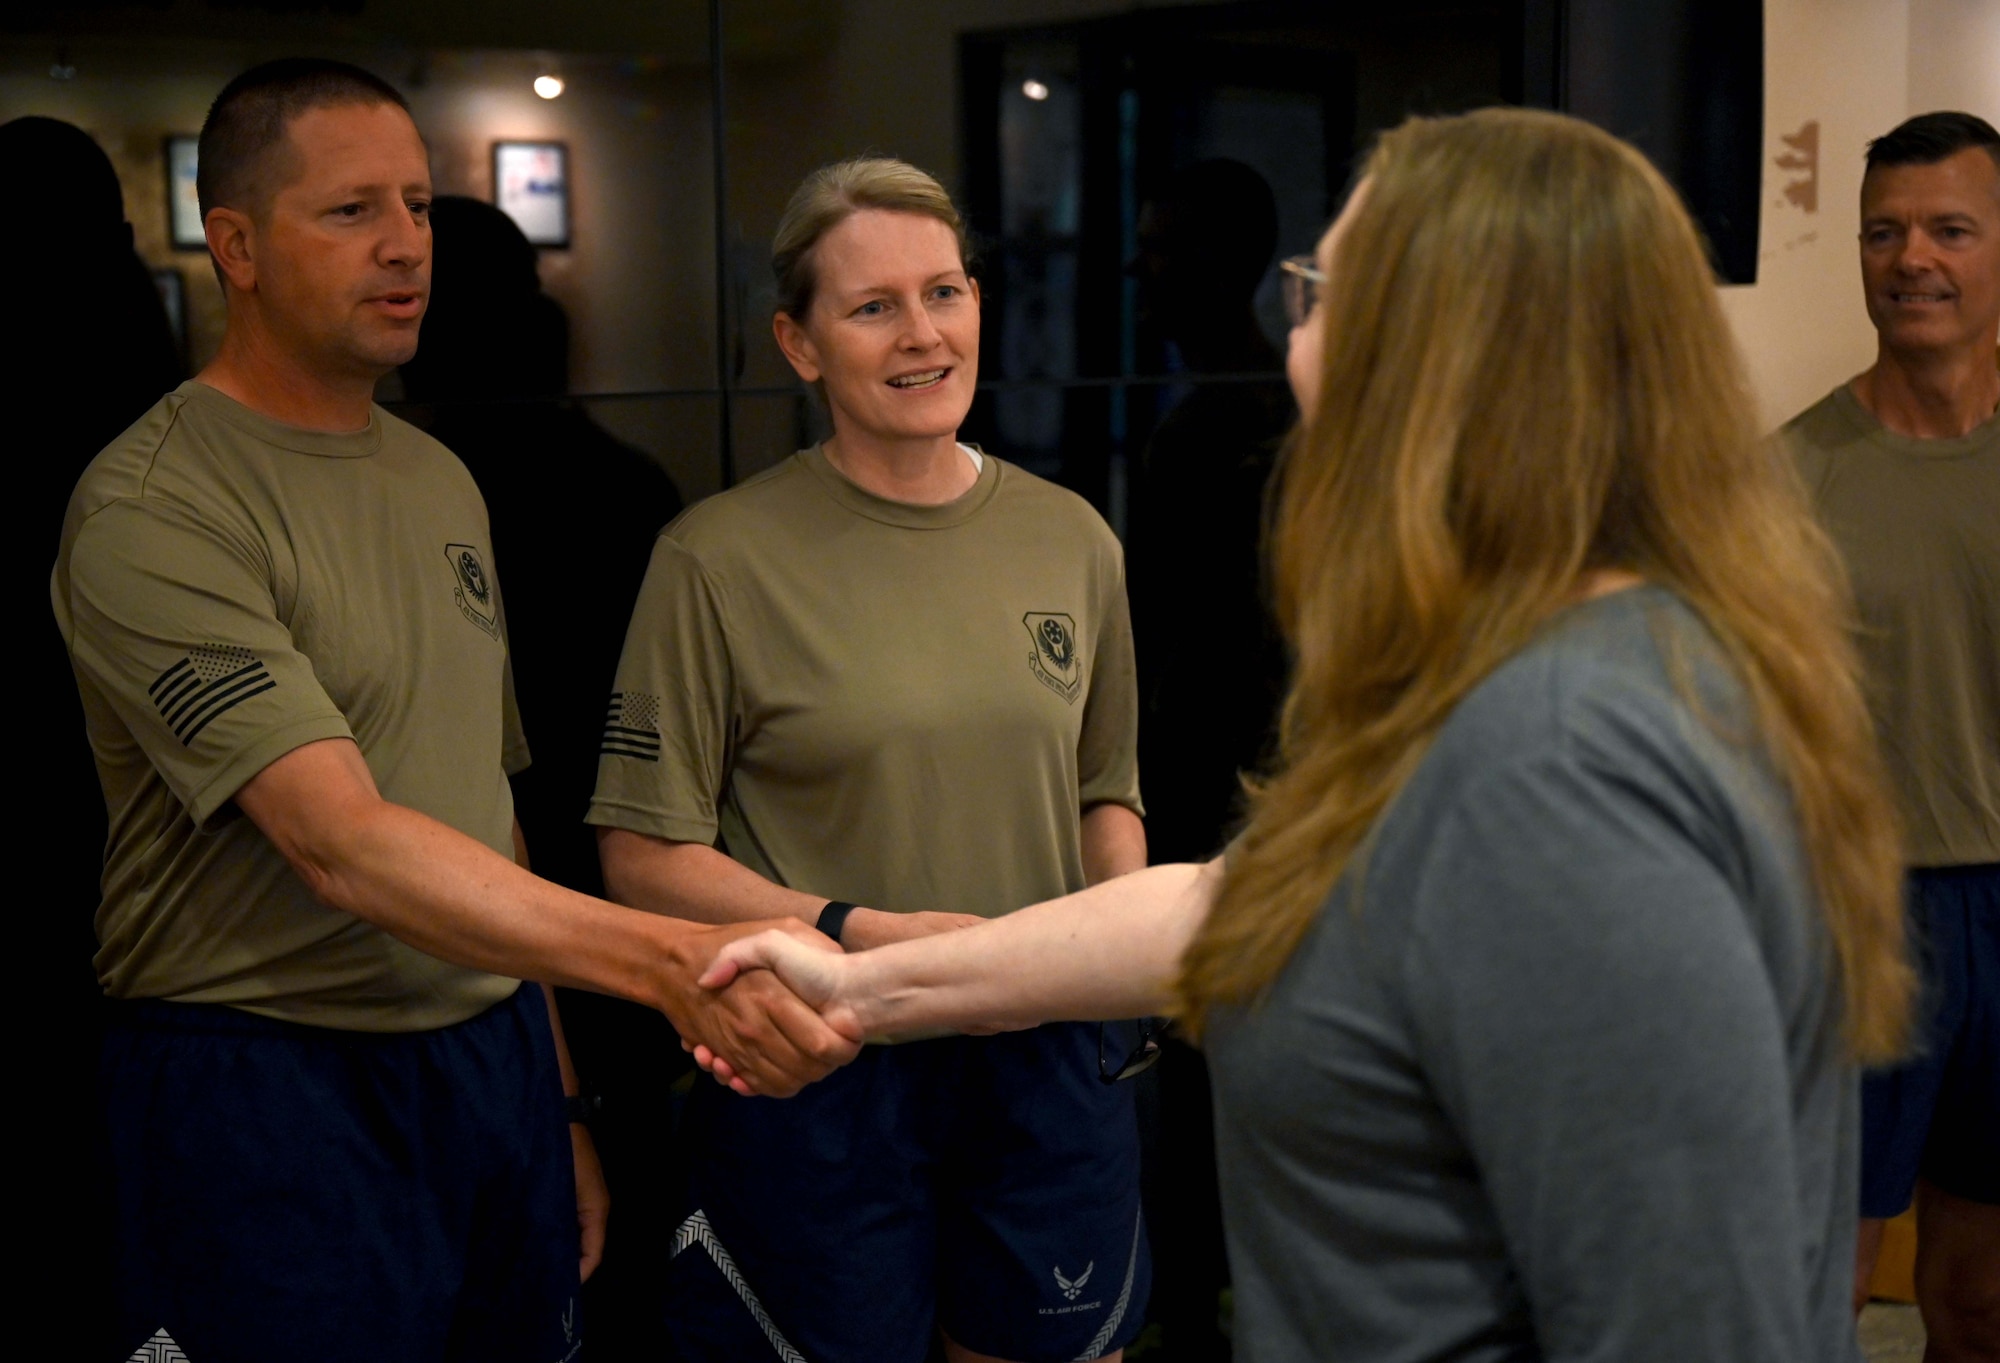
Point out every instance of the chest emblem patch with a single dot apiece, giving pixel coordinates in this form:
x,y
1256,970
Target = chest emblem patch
x,y
1054,661
474,590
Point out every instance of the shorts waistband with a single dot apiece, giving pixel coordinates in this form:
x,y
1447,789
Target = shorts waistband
x,y
221,1019
1966,871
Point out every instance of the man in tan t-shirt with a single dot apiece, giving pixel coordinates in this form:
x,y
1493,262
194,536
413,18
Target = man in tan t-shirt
x,y
1904,466
334,1113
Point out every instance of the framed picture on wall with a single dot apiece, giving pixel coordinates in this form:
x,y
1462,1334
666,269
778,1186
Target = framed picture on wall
x,y
183,207
531,186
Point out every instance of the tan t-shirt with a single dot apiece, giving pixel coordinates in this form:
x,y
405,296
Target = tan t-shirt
x,y
1918,523
230,589
902,706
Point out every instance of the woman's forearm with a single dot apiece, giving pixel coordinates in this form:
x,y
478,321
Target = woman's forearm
x,y
693,881
1110,951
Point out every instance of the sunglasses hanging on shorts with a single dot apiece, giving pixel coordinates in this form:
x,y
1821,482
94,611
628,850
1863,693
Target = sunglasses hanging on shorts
x,y
1303,279
1139,1059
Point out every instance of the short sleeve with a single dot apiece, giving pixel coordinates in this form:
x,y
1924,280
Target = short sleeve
x,y
1593,1012
664,756
514,755
175,621
1107,758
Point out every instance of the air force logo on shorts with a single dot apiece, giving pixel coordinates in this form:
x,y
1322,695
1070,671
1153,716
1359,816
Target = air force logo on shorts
x,y
474,590
1072,1288
1054,660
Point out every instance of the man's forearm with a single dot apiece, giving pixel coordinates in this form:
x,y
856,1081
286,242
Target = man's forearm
x,y
1110,951
453,897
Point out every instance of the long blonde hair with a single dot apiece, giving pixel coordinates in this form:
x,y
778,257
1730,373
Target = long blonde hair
x,y
1527,376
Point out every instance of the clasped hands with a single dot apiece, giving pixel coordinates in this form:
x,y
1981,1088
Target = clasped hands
x,y
764,1006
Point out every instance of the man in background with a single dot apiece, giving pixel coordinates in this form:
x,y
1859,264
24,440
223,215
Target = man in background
x,y
1904,465
89,350
1211,663
574,513
335,1113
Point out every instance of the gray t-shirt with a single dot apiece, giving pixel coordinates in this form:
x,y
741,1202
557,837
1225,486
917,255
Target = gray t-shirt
x,y
1567,1082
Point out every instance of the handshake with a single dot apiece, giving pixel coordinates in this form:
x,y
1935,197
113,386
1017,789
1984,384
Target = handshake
x,y
768,1007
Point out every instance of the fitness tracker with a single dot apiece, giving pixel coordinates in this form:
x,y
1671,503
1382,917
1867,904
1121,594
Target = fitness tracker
x,y
833,918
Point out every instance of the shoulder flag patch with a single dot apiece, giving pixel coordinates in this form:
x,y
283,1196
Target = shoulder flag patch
x,y
212,679
632,726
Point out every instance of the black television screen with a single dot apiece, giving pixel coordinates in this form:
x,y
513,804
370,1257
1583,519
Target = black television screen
x,y
1681,79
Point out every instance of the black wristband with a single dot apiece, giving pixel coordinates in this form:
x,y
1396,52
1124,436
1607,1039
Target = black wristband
x,y
833,917
579,1109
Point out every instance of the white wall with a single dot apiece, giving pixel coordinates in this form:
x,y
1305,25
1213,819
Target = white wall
x,y
1955,56
1856,68
636,281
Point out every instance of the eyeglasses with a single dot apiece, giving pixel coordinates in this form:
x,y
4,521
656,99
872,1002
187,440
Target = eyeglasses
x,y
1303,280
1139,1059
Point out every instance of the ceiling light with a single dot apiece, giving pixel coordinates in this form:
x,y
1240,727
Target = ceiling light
x,y
548,87
1034,89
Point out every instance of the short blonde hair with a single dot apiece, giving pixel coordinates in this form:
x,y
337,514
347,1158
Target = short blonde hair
x,y
829,196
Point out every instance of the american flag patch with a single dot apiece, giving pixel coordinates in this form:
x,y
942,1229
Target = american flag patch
x,y
211,680
632,726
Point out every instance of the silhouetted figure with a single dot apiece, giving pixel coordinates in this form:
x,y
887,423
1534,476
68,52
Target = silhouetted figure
x,y
574,512
90,350
1211,667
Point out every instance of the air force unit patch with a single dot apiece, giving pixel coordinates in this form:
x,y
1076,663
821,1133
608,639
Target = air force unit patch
x,y
474,592
1054,660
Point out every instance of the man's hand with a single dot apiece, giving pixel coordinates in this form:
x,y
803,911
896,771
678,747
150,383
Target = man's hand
x,y
776,1044
868,928
813,977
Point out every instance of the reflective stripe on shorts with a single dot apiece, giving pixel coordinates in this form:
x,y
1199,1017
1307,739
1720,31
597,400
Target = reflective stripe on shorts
x,y
696,1231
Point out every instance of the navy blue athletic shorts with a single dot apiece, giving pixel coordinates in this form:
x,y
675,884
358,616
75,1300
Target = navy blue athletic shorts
x,y
1938,1115
290,1192
988,1186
